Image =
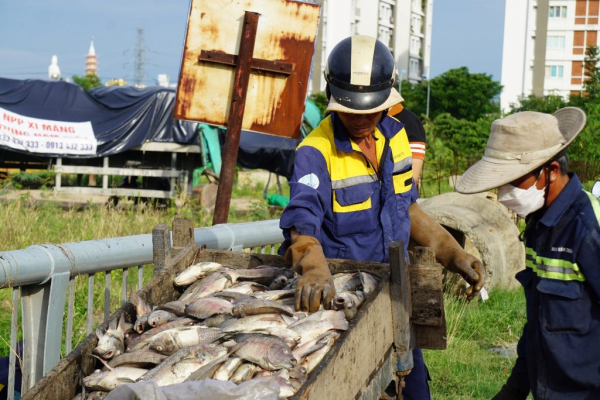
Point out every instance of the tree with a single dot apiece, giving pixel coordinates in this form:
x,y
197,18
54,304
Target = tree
x,y
591,83
545,104
87,82
457,92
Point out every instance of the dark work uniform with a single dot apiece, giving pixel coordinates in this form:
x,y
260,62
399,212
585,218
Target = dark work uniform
x,y
559,350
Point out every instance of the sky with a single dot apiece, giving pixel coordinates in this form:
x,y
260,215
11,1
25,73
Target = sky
x,y
465,33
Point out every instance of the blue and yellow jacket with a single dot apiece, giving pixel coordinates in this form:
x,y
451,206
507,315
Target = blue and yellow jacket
x,y
559,351
337,197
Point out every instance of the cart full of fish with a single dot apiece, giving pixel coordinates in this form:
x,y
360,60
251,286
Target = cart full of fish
x,y
229,325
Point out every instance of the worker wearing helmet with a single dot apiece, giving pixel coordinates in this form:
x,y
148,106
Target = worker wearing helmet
x,y
352,190
525,158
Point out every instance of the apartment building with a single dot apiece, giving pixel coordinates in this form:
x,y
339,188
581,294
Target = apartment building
x,y
545,55
403,25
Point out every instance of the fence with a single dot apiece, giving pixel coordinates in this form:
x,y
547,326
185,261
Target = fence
x,y
44,278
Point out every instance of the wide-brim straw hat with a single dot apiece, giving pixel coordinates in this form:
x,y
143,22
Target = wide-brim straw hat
x,y
520,143
392,99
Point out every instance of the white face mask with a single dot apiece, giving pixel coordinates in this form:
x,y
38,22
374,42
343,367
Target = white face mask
x,y
521,201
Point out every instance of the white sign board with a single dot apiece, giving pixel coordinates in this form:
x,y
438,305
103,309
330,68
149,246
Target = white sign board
x,y
45,136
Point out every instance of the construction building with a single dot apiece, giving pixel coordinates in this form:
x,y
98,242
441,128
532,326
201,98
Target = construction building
x,y
404,25
544,46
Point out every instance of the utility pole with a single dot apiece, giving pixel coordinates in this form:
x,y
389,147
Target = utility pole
x,y
140,50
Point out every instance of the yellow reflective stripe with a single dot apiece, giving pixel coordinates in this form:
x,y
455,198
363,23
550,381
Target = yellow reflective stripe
x,y
338,208
595,204
552,268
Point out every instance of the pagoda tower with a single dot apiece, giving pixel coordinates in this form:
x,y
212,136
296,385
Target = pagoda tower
x,y
91,61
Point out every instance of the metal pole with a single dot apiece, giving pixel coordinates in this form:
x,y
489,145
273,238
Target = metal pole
x,y
236,116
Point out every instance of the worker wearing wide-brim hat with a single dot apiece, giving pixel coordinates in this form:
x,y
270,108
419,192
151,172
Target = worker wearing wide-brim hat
x,y
352,191
525,158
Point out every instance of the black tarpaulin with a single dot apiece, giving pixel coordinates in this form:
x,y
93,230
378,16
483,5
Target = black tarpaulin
x,y
122,117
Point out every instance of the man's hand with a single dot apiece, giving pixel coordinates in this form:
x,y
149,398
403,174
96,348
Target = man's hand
x,y
470,269
316,284
427,232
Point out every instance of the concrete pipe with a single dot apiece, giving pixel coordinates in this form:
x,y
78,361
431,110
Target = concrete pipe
x,y
483,228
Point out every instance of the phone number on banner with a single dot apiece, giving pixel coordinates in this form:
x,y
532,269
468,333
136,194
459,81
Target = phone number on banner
x,y
48,146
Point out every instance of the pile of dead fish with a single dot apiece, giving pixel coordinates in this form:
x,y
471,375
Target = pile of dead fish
x,y
229,325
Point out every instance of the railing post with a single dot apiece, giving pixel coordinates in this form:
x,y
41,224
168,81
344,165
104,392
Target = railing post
x,y
161,246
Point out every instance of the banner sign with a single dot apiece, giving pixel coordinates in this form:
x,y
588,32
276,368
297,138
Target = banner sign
x,y
45,136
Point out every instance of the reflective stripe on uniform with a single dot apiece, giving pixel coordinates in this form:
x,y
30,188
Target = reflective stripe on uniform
x,y
552,268
402,164
355,180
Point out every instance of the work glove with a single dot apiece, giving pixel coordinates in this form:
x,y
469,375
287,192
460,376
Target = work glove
x,y
510,393
470,269
316,284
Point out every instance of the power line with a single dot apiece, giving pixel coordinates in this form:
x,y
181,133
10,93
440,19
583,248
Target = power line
x,y
139,58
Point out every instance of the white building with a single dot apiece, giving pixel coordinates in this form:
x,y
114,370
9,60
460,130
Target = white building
x,y
556,65
404,25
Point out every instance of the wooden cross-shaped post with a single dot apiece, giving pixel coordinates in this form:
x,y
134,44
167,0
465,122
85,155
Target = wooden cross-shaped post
x,y
244,63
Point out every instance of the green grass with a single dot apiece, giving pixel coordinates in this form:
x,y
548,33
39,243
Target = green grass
x,y
467,369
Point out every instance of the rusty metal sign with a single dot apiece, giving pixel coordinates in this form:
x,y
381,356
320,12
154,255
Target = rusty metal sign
x,y
280,65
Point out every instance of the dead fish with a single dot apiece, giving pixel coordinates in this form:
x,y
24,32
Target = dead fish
x,y
344,302
291,284
217,320
207,370
275,294
138,359
216,282
269,352
159,317
289,336
312,360
194,272
279,282
112,342
207,307
345,282
141,324
248,287
244,373
318,323
264,274
141,306
179,366
259,306
97,395
369,283
135,344
313,345
226,370
173,340
232,296
110,379
176,307
252,322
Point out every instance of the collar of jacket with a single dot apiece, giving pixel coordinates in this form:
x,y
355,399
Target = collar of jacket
x,y
388,127
563,201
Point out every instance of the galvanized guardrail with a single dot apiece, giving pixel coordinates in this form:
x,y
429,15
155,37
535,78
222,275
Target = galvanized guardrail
x,y
43,275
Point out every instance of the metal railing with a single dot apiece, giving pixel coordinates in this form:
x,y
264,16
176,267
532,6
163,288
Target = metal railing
x,y
44,277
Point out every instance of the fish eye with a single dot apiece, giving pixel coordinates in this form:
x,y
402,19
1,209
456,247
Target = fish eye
x,y
159,348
